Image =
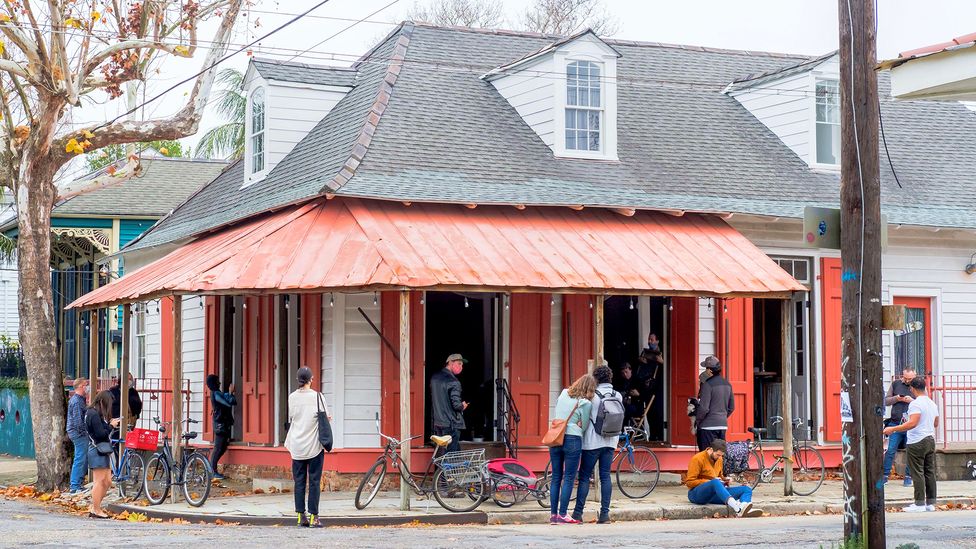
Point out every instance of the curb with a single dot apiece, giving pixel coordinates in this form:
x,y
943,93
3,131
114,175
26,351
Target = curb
x,y
475,517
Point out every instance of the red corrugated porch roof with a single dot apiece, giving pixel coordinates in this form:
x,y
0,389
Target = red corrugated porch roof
x,y
347,244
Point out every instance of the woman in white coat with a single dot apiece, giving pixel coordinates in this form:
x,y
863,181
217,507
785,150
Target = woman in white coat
x,y
307,453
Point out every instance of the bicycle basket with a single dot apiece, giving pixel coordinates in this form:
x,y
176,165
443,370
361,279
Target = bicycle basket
x,y
736,458
462,467
142,439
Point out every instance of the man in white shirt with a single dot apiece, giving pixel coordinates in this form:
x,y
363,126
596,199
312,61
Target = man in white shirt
x,y
923,419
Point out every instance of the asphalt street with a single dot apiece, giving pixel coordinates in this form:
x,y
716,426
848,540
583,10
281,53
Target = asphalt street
x,y
29,524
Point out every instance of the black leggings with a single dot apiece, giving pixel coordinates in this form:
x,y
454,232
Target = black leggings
x,y
219,448
307,471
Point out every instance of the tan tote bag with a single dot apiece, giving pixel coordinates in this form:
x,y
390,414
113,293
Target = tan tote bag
x,y
557,430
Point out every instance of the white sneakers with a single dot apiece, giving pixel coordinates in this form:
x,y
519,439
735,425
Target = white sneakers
x,y
743,509
919,508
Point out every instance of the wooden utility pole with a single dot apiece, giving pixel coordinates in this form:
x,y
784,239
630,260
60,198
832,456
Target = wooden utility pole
x,y
786,388
405,395
124,374
860,214
176,429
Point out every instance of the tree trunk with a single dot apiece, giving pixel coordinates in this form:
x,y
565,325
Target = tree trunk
x,y
35,198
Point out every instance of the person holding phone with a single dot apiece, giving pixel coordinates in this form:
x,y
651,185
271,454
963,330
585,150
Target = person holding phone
x,y
100,424
707,485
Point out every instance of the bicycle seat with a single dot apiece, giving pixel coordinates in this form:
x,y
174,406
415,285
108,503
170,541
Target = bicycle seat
x,y
757,430
441,441
189,436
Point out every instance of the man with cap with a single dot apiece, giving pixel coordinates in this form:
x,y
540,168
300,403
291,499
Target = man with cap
x,y
715,404
445,399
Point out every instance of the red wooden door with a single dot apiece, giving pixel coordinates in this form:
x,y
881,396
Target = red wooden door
x,y
211,357
529,364
390,365
830,292
257,374
577,335
919,311
310,337
735,351
684,367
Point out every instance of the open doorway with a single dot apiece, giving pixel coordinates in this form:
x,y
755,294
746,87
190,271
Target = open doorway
x,y
465,324
767,369
640,372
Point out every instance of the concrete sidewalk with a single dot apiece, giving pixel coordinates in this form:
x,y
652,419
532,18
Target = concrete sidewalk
x,y
15,471
666,502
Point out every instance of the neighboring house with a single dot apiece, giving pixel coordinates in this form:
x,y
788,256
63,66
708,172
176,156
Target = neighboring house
x,y
88,229
943,72
518,185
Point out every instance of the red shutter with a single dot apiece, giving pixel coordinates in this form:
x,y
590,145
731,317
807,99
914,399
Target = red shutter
x,y
577,336
258,369
166,357
311,336
390,365
735,351
529,363
211,357
684,367
831,292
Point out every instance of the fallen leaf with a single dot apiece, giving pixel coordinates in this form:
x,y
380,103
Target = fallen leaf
x,y
137,517
46,497
257,491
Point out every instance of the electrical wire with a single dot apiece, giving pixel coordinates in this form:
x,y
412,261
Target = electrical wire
x,y
344,29
885,142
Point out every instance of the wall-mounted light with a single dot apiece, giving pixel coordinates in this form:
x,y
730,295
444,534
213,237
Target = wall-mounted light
x,y
971,266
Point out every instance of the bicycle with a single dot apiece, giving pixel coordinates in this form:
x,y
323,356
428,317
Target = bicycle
x,y
808,464
127,470
193,472
454,485
637,469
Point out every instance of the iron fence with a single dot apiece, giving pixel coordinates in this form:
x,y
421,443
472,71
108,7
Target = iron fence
x,y
156,395
12,363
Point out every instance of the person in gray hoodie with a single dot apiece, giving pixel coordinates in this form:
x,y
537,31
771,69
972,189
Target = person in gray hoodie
x,y
597,450
715,404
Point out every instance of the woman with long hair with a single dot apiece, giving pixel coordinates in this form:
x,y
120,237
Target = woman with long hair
x,y
100,423
574,406
222,409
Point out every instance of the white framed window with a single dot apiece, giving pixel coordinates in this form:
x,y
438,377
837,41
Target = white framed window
x,y
139,321
584,107
257,136
827,150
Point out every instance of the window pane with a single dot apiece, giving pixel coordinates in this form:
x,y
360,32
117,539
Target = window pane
x,y
594,142
257,153
594,120
570,119
910,349
257,111
800,270
828,143
571,140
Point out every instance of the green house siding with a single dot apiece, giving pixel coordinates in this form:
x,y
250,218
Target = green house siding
x,y
82,222
129,229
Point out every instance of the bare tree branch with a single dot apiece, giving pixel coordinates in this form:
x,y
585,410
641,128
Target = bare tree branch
x,y
12,67
109,177
565,17
459,13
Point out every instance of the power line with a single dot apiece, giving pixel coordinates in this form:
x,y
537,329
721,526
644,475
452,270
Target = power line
x,y
344,29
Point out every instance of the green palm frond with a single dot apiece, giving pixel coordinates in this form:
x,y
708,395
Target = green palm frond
x,y
226,140
8,248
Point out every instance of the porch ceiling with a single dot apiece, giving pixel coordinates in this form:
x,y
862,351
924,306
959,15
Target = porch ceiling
x,y
348,244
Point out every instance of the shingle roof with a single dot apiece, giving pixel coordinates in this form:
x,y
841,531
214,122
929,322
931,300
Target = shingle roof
x,y
163,185
445,135
304,73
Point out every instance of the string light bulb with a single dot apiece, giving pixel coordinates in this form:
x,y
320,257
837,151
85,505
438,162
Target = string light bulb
x,y
631,304
725,306
331,301
552,300
466,302
670,304
374,299
507,300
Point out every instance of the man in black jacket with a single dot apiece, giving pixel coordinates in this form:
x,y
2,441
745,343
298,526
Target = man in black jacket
x,y
135,401
445,399
715,404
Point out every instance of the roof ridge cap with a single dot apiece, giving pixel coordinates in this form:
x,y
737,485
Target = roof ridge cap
x,y
383,94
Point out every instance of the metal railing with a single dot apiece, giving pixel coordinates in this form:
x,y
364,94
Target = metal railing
x,y
154,392
955,394
12,363
508,419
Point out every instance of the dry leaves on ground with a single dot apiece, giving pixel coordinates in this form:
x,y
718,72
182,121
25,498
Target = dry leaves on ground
x,y
257,491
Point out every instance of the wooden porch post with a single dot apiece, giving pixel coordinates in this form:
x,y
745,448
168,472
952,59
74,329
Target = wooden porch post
x,y
93,350
598,344
124,374
176,429
405,395
787,390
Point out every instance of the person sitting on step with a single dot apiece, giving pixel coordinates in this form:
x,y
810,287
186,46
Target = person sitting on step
x,y
706,484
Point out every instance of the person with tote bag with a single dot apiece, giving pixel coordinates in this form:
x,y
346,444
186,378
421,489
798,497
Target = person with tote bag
x,y
565,441
309,437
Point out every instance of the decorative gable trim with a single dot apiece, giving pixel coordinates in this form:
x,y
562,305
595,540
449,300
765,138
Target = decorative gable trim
x,y
587,34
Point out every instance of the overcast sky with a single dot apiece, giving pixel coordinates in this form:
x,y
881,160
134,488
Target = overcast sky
x,y
788,26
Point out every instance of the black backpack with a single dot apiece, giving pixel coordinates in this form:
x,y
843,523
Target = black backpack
x,y
610,415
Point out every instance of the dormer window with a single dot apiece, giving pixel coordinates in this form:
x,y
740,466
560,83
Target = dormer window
x,y
257,131
828,122
584,106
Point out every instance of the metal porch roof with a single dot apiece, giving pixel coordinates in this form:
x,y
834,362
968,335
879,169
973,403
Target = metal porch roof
x,y
346,244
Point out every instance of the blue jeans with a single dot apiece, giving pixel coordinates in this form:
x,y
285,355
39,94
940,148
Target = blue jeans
x,y
714,491
590,458
565,465
895,441
80,465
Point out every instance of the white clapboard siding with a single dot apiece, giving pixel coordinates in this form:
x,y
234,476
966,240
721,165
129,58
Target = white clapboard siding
x,y
193,354
555,353
153,342
706,328
9,316
292,110
361,380
530,92
785,106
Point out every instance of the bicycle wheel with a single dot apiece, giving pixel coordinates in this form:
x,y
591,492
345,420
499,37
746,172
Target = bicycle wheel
x,y
130,475
541,492
808,470
506,492
371,483
638,472
455,497
157,479
548,475
196,480
751,475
